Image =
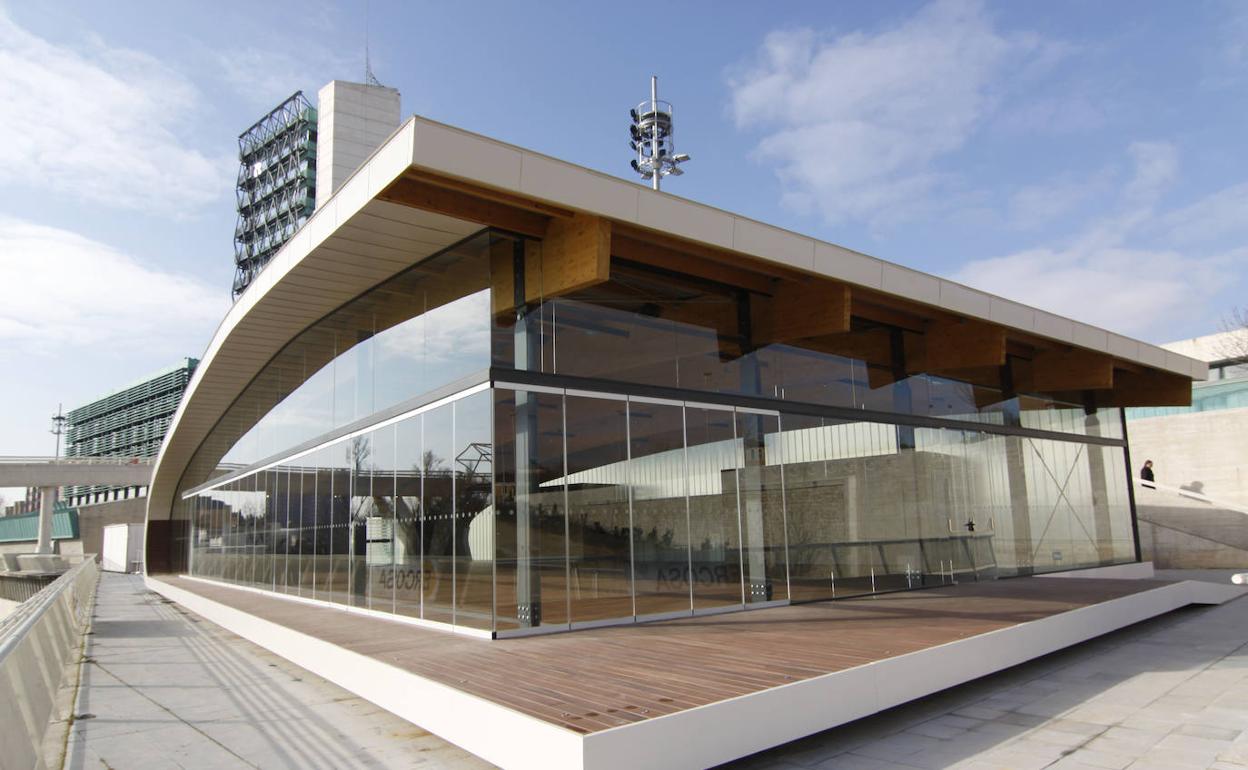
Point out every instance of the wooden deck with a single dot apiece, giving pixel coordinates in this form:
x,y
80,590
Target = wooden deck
x,y
592,680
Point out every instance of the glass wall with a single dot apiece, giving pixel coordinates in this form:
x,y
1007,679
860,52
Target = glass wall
x,y
615,508
670,465
396,519
422,330
650,326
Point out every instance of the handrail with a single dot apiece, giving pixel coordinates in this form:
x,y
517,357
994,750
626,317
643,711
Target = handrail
x,y
41,637
12,460
18,623
1199,497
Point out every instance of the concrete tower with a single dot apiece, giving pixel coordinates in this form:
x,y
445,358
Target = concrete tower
x,y
353,120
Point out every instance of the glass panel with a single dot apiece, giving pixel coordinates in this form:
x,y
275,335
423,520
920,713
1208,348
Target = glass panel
x,y
1118,503
715,529
474,512
279,496
825,477
263,544
598,518
251,502
409,460
305,469
421,330
438,524
362,509
660,525
1048,465
761,488
333,580
531,558
379,526
323,524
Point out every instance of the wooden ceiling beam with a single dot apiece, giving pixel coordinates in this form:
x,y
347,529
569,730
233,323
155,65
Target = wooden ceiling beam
x,y
487,193
800,310
956,345
1074,369
726,257
668,258
421,194
1151,388
873,346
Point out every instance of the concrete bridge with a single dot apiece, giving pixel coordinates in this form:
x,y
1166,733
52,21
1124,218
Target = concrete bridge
x,y
49,473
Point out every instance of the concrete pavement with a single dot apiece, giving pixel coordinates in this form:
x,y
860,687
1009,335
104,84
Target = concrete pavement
x,y
162,688
1167,694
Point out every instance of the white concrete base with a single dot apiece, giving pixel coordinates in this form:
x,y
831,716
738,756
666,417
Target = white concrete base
x,y
711,734
1140,570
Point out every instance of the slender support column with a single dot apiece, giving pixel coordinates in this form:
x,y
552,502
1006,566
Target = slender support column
x,y
1100,491
1020,509
528,581
47,498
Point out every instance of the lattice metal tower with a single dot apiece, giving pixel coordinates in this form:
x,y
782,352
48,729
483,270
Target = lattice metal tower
x,y
276,184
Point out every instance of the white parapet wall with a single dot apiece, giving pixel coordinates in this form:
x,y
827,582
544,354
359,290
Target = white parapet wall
x,y
353,119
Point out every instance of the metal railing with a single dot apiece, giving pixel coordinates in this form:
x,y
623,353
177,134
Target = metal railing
x,y
36,642
19,588
11,460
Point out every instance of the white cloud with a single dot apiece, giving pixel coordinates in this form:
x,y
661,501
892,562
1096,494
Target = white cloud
x,y
265,76
64,292
99,124
855,123
1040,204
1102,276
1215,216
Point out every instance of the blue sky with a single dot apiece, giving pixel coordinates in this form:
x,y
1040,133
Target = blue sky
x,y
1081,157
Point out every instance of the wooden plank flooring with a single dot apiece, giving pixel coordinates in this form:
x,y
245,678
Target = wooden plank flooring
x,y
595,679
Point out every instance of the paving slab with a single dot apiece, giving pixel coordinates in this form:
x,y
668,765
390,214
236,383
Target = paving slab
x,y
1171,692
162,688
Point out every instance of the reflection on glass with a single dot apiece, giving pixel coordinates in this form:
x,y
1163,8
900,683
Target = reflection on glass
x,y
657,476
438,523
336,578
474,512
762,508
423,329
531,559
715,529
379,526
600,577
409,460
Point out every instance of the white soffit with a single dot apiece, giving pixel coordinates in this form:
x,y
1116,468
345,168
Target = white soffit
x,y
349,245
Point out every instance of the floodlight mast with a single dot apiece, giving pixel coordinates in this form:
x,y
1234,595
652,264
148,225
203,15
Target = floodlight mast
x,y
652,138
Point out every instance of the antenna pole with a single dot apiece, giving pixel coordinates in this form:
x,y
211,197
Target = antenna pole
x,y
58,427
654,137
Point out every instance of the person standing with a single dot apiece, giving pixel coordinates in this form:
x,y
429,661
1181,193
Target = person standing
x,y
1146,473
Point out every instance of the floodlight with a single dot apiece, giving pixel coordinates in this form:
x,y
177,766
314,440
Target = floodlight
x,y
652,138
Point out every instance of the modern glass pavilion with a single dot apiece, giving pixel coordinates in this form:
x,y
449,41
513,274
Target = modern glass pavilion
x,y
550,416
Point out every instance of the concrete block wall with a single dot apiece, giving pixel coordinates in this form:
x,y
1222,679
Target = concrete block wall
x,y
1205,452
353,119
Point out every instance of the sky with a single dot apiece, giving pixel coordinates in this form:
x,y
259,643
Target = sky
x,y
1080,157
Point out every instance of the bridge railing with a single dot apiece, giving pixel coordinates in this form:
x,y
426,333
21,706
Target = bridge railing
x,y
37,640
36,460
